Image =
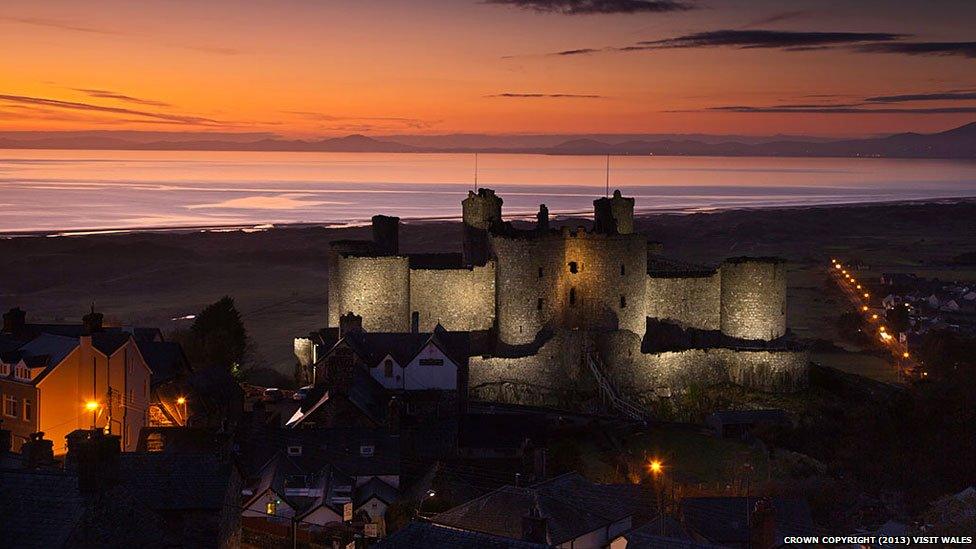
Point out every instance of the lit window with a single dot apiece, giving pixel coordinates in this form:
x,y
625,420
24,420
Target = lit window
x,y
28,410
573,267
271,507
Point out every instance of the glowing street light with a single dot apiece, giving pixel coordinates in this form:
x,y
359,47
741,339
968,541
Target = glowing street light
x,y
181,401
837,265
655,467
874,317
905,354
864,307
867,295
91,405
858,286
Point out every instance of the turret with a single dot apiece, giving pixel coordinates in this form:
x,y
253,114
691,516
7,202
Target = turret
x,y
480,212
614,215
542,218
386,234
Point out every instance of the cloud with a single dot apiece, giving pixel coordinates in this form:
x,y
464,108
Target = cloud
x,y
60,25
840,109
760,38
590,7
546,95
106,94
963,49
781,16
77,106
937,96
581,51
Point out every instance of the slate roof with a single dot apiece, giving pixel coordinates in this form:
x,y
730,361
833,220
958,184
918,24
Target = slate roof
x,y
378,489
165,358
40,508
365,393
572,505
432,536
497,430
670,535
110,342
373,347
723,520
175,481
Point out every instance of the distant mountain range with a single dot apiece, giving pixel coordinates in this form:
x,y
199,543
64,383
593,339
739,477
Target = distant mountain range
x,y
955,143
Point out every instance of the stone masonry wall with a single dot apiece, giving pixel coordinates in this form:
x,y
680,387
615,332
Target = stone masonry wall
x,y
638,373
693,302
753,298
376,288
459,299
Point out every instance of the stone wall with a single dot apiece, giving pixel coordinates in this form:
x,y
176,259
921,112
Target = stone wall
x,y
689,301
544,378
569,279
753,298
458,299
640,374
375,288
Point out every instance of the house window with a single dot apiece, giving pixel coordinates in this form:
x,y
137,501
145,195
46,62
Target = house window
x,y
20,372
4,369
623,269
432,362
572,296
388,368
573,267
538,304
540,272
294,450
367,451
11,407
28,410
154,442
623,301
271,507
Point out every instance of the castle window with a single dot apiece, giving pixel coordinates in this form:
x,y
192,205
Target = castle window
x,y
388,368
540,272
538,304
623,301
623,269
572,296
573,267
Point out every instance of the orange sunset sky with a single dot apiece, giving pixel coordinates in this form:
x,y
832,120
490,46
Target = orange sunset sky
x,y
308,68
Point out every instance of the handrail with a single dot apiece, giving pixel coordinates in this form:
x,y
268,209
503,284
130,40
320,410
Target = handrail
x,y
609,391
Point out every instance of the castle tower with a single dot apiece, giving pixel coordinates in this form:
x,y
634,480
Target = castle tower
x,y
614,215
386,234
480,212
542,218
753,302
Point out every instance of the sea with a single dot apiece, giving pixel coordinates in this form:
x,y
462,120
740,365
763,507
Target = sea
x,y
64,192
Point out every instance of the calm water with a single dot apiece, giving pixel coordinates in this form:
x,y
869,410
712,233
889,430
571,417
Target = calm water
x,y
91,190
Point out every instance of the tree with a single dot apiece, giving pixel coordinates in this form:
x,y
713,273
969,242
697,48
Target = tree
x,y
898,318
217,338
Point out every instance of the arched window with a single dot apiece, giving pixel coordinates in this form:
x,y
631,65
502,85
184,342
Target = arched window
x,y
623,301
573,267
623,269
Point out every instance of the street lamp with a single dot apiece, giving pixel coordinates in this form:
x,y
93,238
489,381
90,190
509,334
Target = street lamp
x,y
92,406
181,401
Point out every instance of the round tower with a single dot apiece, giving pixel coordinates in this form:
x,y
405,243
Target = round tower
x,y
753,298
386,234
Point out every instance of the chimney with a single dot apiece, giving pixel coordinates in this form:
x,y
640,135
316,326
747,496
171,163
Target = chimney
x,y
349,323
37,451
14,320
6,439
535,527
92,321
96,456
762,524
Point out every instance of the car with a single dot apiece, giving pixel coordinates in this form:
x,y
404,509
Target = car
x,y
302,393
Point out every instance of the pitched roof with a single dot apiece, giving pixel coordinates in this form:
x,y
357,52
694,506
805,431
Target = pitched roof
x,y
663,533
109,342
432,536
572,505
175,481
378,489
724,519
373,347
165,358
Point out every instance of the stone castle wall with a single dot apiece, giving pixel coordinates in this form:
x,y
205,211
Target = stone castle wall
x,y
637,373
689,301
537,286
376,288
458,299
753,298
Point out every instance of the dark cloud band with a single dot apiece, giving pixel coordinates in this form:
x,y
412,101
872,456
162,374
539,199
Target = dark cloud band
x,y
590,7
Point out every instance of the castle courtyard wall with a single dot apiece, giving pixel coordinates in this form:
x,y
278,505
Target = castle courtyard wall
x,y
689,301
458,299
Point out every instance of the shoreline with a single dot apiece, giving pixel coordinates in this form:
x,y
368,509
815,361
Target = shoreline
x,y
419,220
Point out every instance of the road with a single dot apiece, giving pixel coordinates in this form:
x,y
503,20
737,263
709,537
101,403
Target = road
x,y
870,308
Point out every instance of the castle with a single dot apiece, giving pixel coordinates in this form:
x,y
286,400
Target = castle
x,y
544,298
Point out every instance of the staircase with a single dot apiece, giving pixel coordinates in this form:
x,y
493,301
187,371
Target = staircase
x,y
608,391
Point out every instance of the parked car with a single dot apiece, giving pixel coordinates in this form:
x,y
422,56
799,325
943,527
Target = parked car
x,y
272,394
